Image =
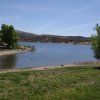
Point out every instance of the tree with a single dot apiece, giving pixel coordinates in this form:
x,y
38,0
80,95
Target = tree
x,y
9,36
96,42
0,37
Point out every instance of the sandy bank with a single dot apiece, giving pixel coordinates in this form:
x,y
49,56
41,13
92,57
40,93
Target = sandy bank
x,y
88,64
9,52
39,68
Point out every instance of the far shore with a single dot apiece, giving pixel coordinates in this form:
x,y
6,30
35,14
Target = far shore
x,y
25,49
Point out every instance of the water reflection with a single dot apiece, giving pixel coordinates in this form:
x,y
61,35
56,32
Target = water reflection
x,y
7,62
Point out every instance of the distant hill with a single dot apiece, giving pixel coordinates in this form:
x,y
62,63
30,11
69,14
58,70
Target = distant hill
x,y
31,37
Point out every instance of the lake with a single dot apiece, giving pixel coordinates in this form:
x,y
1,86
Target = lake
x,y
48,54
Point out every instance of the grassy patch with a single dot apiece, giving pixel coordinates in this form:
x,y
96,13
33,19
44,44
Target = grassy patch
x,y
74,83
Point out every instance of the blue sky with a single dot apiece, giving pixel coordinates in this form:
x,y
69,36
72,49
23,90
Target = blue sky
x,y
56,17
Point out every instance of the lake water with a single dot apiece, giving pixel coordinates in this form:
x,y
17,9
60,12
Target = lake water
x,y
48,54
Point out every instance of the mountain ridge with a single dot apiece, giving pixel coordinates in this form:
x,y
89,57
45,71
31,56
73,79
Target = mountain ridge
x,y
32,37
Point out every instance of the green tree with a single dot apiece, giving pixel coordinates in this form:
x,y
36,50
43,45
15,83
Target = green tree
x,y
9,36
96,42
0,36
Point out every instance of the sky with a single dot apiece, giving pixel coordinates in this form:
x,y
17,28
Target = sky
x,y
56,17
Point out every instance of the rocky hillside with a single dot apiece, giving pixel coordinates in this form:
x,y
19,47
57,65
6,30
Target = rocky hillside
x,y
24,36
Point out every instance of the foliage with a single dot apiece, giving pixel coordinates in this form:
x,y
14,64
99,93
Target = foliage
x,y
9,36
0,37
96,42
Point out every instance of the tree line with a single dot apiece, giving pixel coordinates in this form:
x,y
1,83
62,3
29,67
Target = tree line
x,y
8,36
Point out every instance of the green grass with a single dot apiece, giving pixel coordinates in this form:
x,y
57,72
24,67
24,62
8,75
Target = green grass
x,y
74,83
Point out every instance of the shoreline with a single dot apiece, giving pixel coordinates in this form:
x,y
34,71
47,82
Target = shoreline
x,y
37,68
10,52
85,43
84,64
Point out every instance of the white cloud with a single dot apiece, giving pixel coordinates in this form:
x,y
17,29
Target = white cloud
x,y
35,8
64,18
52,23
78,26
85,8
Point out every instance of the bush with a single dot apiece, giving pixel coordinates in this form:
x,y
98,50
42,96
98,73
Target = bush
x,y
96,42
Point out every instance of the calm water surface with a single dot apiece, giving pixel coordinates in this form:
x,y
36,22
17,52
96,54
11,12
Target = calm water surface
x,y
48,54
